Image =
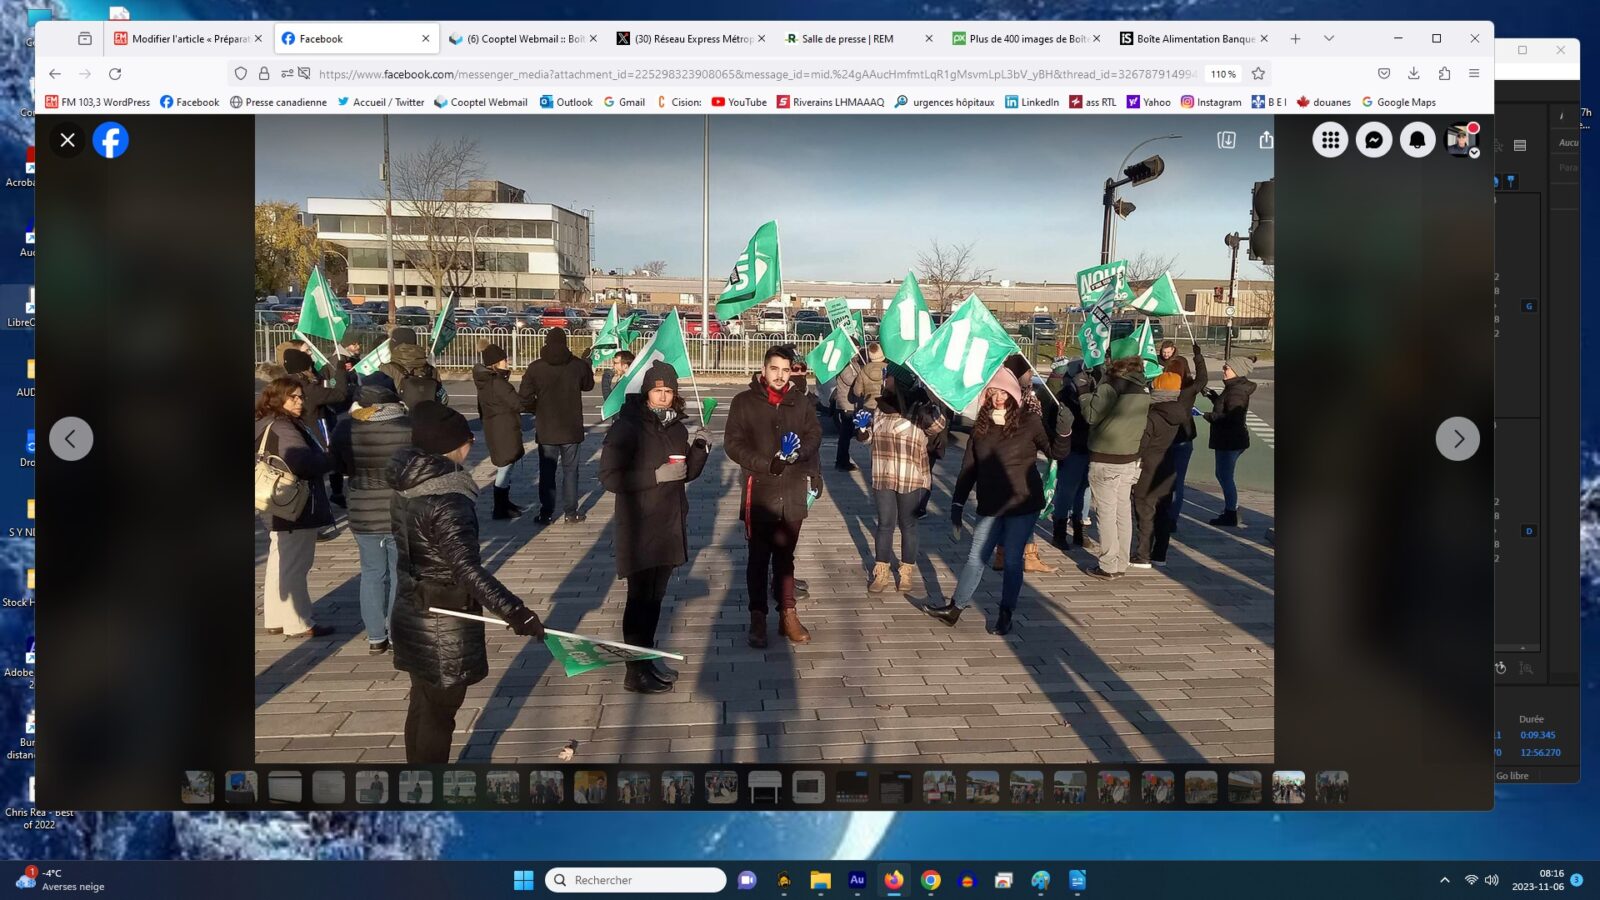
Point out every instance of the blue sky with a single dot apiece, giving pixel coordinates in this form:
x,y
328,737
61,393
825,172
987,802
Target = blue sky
x,y
856,197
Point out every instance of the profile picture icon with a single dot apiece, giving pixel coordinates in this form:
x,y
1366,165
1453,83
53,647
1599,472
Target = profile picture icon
x,y
1461,139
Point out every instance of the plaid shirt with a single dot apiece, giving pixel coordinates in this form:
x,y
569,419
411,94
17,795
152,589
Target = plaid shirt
x,y
900,453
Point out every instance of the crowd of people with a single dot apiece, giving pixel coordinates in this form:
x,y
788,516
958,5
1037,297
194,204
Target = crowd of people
x,y
389,449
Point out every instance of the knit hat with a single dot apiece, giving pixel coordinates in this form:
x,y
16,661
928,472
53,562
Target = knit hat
x,y
438,429
1005,381
493,354
1241,365
660,374
296,361
403,335
1167,381
555,337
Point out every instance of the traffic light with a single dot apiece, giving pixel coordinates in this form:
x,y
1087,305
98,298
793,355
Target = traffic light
x,y
1262,201
1123,208
1149,170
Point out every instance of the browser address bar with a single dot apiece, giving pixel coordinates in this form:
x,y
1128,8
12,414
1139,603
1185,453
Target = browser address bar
x,y
898,74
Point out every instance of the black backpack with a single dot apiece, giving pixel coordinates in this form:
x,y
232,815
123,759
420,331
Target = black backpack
x,y
420,386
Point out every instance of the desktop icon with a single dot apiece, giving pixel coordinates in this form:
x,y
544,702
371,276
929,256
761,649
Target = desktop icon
x,y
27,163
119,14
31,443
110,140
893,881
30,654
747,880
1003,880
28,236
29,584
39,14
931,880
1078,880
784,881
857,881
821,881
1040,880
968,878
29,726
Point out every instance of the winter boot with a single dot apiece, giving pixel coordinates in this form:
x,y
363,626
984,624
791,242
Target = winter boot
x,y
789,625
882,578
908,577
758,629
1228,519
1058,533
1002,624
949,614
1077,533
1032,563
502,504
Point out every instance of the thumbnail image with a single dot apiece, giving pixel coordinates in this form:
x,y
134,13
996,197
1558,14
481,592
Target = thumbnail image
x,y
895,787
1158,788
983,787
1333,787
240,787
939,786
853,786
547,788
633,788
285,788
198,787
327,787
1070,787
1027,787
1288,788
372,788
459,787
504,788
1200,787
589,788
677,788
534,291
1115,788
416,786
1244,787
722,787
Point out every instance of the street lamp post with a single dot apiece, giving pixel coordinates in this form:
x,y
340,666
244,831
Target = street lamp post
x,y
1149,170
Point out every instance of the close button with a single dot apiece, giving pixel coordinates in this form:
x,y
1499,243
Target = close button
x,y
1457,438
71,438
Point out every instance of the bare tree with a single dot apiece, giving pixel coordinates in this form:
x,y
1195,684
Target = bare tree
x,y
948,274
1145,268
654,268
438,219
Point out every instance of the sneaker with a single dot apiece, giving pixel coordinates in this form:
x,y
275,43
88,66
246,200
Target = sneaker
x,y
378,648
1138,562
328,534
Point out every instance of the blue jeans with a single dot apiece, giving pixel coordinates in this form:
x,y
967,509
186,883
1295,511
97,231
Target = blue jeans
x,y
1072,486
1012,532
549,456
1180,461
502,475
1227,461
379,557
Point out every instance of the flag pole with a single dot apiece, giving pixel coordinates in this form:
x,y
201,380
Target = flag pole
x,y
566,634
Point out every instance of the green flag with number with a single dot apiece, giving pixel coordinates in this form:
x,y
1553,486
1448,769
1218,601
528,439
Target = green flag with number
x,y
1159,299
1094,336
319,314
756,277
962,355
444,327
666,344
374,358
830,357
906,323
1093,281
1142,344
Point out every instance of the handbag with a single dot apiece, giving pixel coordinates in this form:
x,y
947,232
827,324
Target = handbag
x,y
279,492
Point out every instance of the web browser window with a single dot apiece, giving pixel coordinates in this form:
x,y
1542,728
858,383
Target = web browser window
x,y
642,411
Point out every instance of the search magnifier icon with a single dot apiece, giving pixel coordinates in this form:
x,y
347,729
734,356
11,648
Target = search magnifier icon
x,y
561,879
900,101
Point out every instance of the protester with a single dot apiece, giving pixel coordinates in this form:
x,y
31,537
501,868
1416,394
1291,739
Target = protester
x,y
874,374
1172,362
415,379
924,409
500,412
1036,402
1170,402
328,389
1230,433
292,545
363,445
436,532
552,389
900,479
343,359
844,411
999,462
1117,410
651,452
1183,446
772,433
799,377
1072,475
615,372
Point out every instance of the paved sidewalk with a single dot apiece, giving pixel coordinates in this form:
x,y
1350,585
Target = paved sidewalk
x,y
1170,664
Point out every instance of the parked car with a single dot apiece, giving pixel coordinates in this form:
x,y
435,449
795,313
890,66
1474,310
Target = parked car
x,y
498,319
647,323
1040,328
378,310
869,327
596,319
694,323
773,321
288,313
1121,328
413,316
558,317
812,322
269,316
360,319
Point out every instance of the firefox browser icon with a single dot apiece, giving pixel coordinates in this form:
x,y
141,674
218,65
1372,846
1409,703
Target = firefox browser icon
x,y
931,880
893,880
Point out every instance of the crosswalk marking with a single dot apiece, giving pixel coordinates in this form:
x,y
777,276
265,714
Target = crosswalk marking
x,y
1261,428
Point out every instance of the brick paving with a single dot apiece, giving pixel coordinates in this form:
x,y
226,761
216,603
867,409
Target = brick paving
x,y
1170,664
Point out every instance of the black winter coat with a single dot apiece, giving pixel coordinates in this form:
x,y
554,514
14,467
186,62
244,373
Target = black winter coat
x,y
1227,416
363,445
652,520
500,410
552,389
1161,429
1002,468
1187,396
293,442
435,523
319,396
772,492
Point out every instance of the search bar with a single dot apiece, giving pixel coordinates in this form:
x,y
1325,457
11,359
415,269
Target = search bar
x,y
624,880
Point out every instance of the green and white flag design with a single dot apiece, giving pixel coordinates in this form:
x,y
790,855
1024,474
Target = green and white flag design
x,y
962,355
666,344
830,357
1094,336
311,348
1140,343
1049,492
608,340
1159,299
374,358
319,314
1093,281
444,327
578,654
906,323
756,277
838,310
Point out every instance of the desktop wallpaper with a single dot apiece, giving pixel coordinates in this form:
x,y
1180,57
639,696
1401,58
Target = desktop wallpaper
x,y
1528,822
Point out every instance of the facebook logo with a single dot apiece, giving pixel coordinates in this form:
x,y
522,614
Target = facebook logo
x,y
110,140
288,38
166,101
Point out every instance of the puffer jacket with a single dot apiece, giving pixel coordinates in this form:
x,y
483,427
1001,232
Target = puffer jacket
x,y
755,428
1227,417
652,520
1117,412
363,445
500,411
292,442
869,383
416,380
435,524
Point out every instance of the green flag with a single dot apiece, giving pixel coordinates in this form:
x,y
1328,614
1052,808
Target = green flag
x,y
444,327
374,358
838,311
1093,281
578,654
1141,344
608,340
830,357
962,355
756,277
1159,299
708,405
1094,336
311,348
1049,492
666,344
906,323
319,314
